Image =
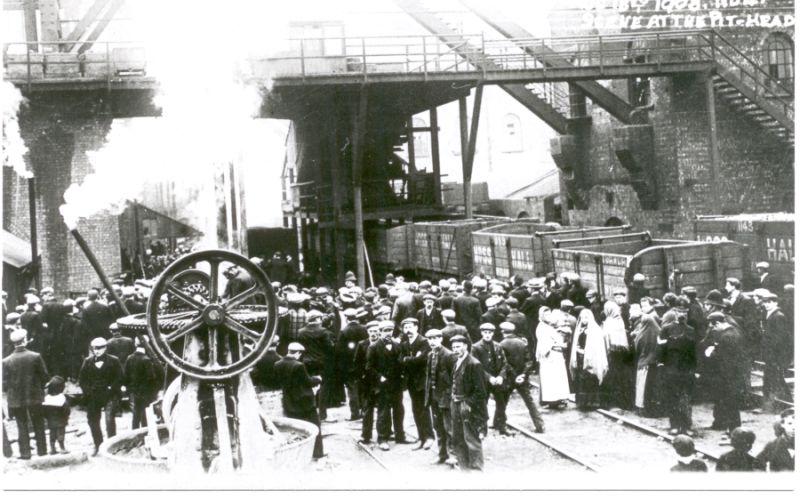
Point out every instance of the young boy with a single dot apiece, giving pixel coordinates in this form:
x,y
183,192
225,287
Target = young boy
x,y
56,410
739,459
684,446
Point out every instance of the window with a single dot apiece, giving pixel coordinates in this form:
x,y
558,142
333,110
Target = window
x,y
512,134
422,147
779,60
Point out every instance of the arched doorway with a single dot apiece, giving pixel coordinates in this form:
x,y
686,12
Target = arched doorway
x,y
523,214
614,222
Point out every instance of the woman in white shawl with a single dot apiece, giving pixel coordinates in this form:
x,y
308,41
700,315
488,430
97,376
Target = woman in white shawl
x,y
550,346
618,385
588,361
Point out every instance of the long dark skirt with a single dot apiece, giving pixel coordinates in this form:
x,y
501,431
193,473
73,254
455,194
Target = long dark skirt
x,y
587,390
618,386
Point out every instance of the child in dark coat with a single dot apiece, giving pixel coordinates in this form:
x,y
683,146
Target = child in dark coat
x,y
684,447
56,411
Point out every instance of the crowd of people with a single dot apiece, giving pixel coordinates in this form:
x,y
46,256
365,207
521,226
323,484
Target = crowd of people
x,y
452,346
654,355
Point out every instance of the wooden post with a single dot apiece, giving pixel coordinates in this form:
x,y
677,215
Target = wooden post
x,y
462,118
437,171
336,184
473,137
35,264
713,144
359,127
31,32
412,161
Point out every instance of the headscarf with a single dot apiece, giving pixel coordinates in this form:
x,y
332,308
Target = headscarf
x,y
645,339
595,356
546,338
614,328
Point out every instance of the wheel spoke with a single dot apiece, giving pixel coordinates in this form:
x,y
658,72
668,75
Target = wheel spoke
x,y
184,330
177,293
212,347
213,284
239,328
241,297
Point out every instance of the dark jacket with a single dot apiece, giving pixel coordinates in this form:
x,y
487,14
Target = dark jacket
x,y
468,313
430,321
52,315
99,385
24,377
530,308
521,325
297,384
494,316
318,343
120,347
405,306
746,313
384,362
469,385
778,342
38,334
439,377
351,335
414,357
735,460
95,320
776,455
518,356
445,302
143,376
492,358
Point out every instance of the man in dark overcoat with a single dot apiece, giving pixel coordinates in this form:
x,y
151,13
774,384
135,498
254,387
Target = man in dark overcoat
x,y
24,377
520,368
495,367
100,380
385,372
468,407
414,356
438,388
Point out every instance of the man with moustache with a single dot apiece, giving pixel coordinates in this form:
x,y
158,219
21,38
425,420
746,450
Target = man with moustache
x,y
384,371
438,387
468,407
413,358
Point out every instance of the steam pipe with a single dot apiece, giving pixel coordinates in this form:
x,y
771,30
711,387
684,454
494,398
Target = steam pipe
x,y
107,284
35,265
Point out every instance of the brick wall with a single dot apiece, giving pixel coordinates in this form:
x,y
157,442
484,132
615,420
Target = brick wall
x,y
59,129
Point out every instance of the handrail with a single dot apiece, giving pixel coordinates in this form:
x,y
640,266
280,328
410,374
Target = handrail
x,y
745,57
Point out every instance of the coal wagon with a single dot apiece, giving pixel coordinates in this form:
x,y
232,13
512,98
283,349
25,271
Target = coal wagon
x,y
523,247
768,236
667,264
445,248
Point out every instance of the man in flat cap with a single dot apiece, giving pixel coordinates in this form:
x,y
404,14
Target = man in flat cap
x,y
778,348
31,321
695,315
24,377
493,314
724,347
518,319
414,356
438,388
520,368
368,391
767,280
493,360
748,316
468,407
298,394
100,380
318,356
429,317
352,334
385,371
450,328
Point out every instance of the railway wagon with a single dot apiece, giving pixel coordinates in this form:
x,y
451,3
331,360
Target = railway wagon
x,y
391,248
667,264
445,248
768,236
523,247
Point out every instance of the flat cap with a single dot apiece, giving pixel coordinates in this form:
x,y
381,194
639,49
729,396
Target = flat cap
x,y
433,333
350,312
487,326
409,320
620,292
98,342
47,290
716,317
512,302
459,338
761,292
639,278
493,301
591,293
536,283
385,309
449,313
507,326
12,317
733,280
387,325
689,290
314,314
759,265
32,300
428,297
296,347
18,335
323,291
372,324
572,276
567,303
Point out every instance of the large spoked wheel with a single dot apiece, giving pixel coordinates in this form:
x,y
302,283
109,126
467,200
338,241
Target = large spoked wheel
x,y
229,332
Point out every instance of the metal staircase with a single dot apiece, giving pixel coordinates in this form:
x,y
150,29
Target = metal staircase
x,y
745,86
531,95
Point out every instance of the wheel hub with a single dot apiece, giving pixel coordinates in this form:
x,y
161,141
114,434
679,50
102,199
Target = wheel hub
x,y
214,314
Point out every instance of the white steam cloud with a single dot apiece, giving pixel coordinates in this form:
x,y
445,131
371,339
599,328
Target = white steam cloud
x,y
14,148
198,52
